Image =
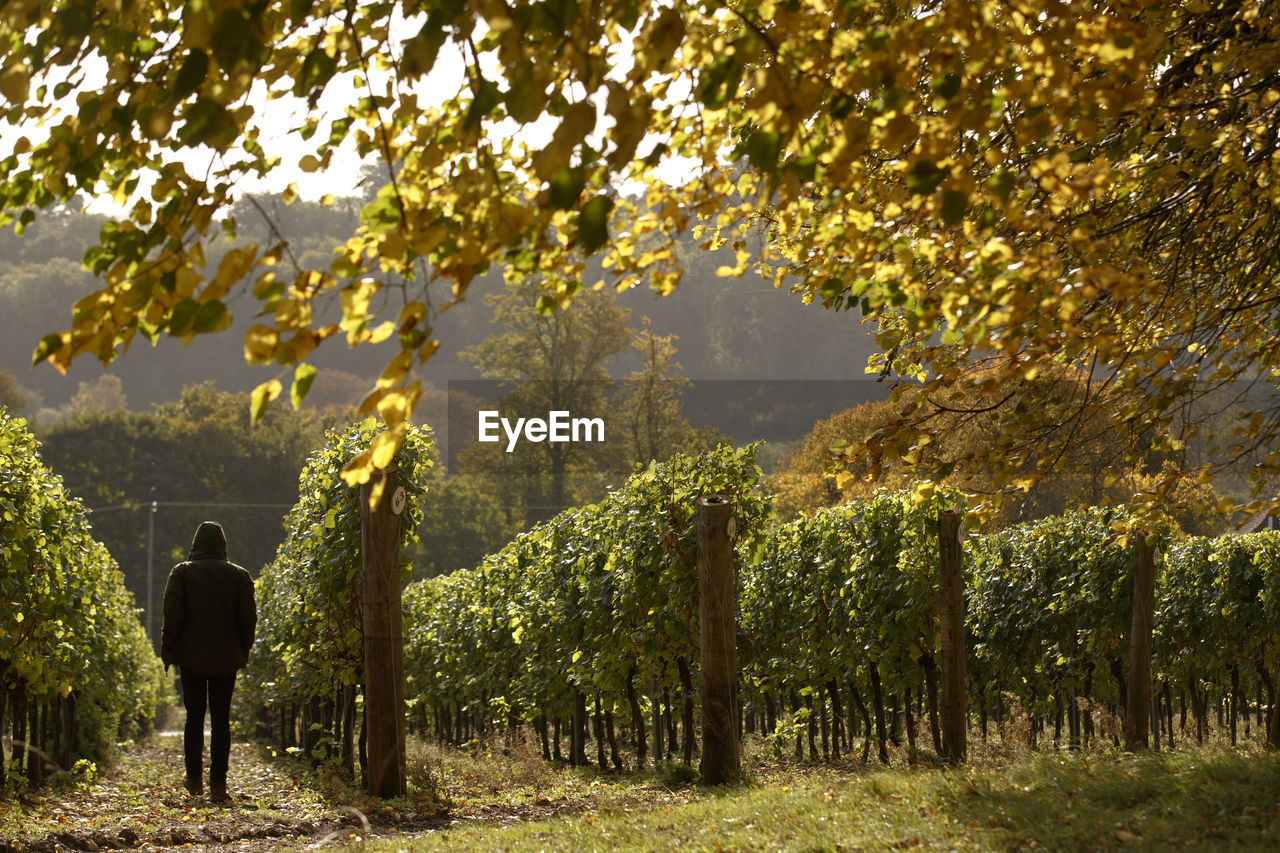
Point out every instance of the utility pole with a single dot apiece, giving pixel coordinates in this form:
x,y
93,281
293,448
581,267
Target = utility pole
x,y
151,570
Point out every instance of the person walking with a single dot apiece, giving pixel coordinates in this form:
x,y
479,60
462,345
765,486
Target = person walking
x,y
209,621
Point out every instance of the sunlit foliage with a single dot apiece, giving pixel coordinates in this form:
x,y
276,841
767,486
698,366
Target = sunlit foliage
x,y
1091,183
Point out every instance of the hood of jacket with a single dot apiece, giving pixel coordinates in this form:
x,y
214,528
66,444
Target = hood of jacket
x,y
209,543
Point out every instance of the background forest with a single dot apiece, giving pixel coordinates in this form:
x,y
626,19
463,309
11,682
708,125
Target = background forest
x,y
737,360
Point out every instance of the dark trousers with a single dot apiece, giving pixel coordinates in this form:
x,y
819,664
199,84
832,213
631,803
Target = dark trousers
x,y
212,692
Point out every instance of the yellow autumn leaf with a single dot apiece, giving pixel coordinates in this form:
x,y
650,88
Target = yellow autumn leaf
x,y
665,282
293,314
15,84
359,470
261,396
411,314
384,330
231,269
385,445
426,241
260,344
298,347
355,306
303,376
196,29
396,369
923,492
371,400
397,404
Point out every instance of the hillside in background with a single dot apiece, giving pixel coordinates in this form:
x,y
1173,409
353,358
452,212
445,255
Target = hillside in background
x,y
726,328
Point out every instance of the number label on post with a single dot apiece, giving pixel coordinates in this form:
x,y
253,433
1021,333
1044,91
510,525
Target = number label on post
x,y
397,500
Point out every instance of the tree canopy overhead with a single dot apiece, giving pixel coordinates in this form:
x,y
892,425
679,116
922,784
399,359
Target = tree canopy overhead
x,y
1013,182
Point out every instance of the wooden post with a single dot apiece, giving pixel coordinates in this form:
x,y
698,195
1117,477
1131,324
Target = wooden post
x,y
4,720
1137,713
659,753
717,619
951,613
578,728
35,743
383,634
1273,720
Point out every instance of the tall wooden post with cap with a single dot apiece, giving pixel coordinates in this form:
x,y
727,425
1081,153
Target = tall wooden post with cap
x,y
1137,718
383,633
951,624
717,617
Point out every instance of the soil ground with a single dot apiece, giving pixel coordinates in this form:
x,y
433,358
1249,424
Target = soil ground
x,y
502,796
140,803
278,801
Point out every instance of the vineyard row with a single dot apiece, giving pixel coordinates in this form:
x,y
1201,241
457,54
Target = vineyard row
x,y
586,627
76,670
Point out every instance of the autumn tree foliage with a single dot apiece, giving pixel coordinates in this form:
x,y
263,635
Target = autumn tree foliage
x,y
1095,184
983,445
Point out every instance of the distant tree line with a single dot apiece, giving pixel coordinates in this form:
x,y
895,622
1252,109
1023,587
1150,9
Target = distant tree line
x,y
737,329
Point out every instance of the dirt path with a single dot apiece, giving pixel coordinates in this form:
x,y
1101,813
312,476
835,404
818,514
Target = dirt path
x,y
141,804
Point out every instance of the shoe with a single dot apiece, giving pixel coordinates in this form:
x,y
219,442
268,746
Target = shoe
x,y
194,787
218,792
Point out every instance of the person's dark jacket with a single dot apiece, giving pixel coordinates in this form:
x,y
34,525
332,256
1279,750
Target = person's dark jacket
x,y
209,612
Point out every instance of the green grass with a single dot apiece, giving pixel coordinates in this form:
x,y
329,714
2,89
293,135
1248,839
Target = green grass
x,y
1197,799
504,797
